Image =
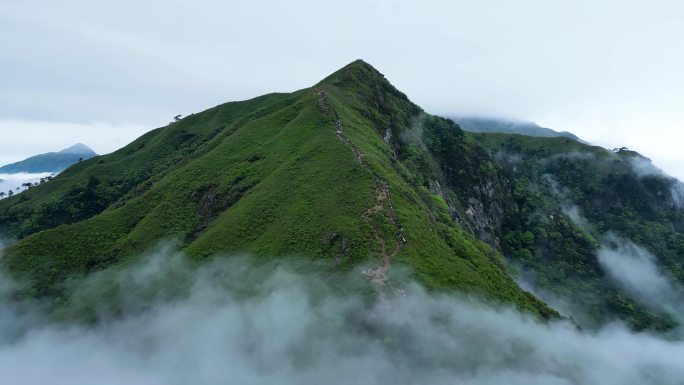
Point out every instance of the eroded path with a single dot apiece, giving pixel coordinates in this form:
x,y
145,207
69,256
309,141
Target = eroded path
x,y
382,206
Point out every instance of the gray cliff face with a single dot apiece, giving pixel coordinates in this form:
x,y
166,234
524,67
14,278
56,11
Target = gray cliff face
x,y
482,210
485,210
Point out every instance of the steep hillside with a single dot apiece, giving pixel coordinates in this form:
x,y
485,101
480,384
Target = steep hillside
x,y
573,202
329,172
50,162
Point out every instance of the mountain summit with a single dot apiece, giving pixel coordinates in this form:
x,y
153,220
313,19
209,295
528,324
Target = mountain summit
x,y
348,172
317,172
79,148
50,162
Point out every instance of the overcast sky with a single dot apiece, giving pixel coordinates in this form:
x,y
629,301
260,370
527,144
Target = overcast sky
x,y
82,71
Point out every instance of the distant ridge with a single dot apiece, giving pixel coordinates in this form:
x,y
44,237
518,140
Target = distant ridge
x,y
492,125
51,161
78,148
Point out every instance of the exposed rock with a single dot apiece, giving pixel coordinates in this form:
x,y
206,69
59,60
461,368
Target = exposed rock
x,y
388,136
333,238
345,247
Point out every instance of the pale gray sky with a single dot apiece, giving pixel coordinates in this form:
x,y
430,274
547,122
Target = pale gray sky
x,y
102,74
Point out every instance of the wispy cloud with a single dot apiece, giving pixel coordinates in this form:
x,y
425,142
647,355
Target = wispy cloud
x,y
643,167
637,271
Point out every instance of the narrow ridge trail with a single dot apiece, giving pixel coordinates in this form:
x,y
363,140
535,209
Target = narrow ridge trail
x,y
377,276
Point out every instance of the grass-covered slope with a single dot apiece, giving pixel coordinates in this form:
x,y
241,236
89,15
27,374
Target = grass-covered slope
x,y
87,188
569,198
318,173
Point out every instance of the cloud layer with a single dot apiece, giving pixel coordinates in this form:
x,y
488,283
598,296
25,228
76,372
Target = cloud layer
x,y
235,321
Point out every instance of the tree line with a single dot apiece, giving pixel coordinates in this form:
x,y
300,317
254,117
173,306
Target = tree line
x,y
25,186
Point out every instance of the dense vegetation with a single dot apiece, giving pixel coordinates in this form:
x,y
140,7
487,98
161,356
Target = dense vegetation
x,y
568,197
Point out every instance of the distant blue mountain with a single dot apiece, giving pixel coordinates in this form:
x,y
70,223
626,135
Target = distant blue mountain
x,y
510,127
51,161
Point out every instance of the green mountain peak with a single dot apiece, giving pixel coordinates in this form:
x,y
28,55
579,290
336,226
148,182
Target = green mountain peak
x,y
353,70
313,173
344,174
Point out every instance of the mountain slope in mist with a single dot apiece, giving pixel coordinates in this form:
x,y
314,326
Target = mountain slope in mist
x,y
330,172
579,206
351,173
236,321
492,125
50,162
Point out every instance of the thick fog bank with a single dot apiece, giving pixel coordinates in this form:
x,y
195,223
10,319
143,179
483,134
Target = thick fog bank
x,y
233,321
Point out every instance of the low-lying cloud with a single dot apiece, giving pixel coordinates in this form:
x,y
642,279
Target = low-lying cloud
x,y
643,167
15,181
636,270
568,207
236,321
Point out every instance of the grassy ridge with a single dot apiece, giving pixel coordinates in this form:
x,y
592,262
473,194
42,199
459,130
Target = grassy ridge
x,y
269,176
